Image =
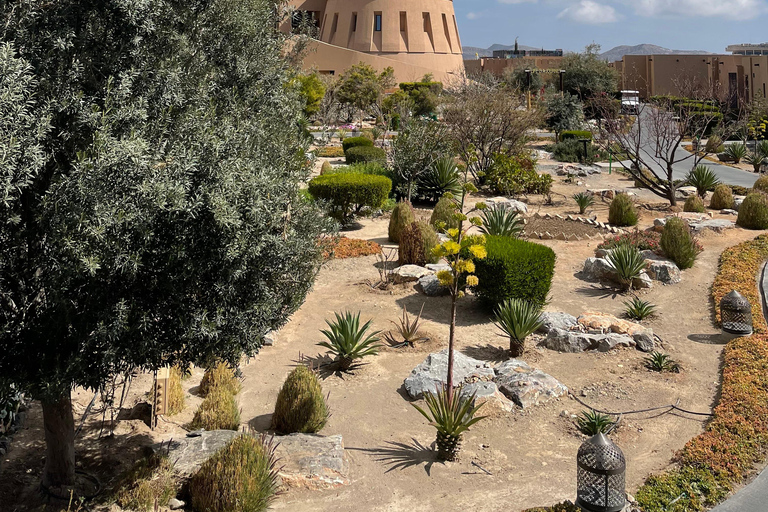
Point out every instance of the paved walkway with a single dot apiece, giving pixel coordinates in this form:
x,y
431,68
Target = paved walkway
x,y
752,498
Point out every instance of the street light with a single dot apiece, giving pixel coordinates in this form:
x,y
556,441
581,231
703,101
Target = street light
x,y
562,81
528,86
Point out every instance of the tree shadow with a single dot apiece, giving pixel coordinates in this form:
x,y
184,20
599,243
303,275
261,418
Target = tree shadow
x,y
711,339
326,366
438,309
597,291
402,456
487,352
261,423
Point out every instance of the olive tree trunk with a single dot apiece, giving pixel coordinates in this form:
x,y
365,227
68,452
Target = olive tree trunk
x,y
59,426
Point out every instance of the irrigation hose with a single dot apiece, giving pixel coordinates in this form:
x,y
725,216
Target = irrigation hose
x,y
670,407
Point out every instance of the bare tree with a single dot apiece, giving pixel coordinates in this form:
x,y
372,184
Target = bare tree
x,y
486,118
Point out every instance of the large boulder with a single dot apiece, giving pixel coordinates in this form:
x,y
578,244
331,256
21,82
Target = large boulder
x,y
505,202
189,453
311,461
527,386
430,286
596,269
716,225
431,374
487,393
409,273
557,320
594,321
575,341
661,268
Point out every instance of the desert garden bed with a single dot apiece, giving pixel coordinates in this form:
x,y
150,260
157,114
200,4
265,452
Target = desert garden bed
x,y
548,227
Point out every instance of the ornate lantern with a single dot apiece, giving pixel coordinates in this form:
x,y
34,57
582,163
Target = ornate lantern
x,y
736,314
600,477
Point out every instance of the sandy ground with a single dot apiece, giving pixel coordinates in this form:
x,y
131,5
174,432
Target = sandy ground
x,y
530,455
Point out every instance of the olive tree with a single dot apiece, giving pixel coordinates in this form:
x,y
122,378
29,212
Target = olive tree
x,y
150,164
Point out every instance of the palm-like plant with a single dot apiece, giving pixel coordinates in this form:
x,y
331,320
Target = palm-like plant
x,y
592,423
407,331
628,262
443,176
736,151
758,156
584,200
452,415
638,309
518,319
348,341
660,362
501,221
703,178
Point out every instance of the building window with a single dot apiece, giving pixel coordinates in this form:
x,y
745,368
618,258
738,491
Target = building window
x,y
377,22
335,23
403,22
354,21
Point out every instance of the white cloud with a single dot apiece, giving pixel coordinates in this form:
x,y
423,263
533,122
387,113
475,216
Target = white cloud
x,y
592,13
516,1
474,15
732,9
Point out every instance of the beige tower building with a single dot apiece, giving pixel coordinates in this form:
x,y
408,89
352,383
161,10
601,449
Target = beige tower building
x,y
414,37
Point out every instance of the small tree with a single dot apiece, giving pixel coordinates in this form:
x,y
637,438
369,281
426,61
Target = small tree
x,y
312,91
517,79
587,75
419,144
564,113
361,86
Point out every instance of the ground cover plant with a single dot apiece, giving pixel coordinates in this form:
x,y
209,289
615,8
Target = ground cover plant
x,y
641,240
343,247
330,152
301,406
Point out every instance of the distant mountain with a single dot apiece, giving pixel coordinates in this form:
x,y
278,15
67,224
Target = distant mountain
x,y
472,52
617,53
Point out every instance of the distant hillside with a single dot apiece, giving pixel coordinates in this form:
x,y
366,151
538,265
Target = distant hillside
x,y
617,53
470,51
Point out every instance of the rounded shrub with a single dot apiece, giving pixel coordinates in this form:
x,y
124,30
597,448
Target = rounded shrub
x,y
221,376
347,194
363,154
241,477
443,212
722,198
416,244
402,217
514,269
575,134
622,211
300,406
753,212
678,243
694,204
356,142
218,411
761,185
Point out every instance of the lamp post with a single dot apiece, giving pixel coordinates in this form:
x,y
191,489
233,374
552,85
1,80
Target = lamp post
x,y
736,314
528,86
601,469
584,142
562,82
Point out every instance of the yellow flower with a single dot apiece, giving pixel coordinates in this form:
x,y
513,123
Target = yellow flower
x,y
472,281
459,216
460,295
445,277
453,233
476,221
481,206
470,187
478,251
451,247
469,267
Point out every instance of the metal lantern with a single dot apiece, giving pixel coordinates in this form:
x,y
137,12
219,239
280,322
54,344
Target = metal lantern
x,y
736,314
600,477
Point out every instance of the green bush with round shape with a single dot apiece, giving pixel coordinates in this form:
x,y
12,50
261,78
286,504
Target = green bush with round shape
x,y
575,134
678,243
753,212
761,185
622,211
241,477
348,194
219,411
443,212
356,142
363,154
694,204
301,406
722,198
402,217
514,269
416,244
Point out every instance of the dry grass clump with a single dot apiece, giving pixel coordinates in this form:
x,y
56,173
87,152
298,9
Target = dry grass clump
x,y
151,480
219,411
220,375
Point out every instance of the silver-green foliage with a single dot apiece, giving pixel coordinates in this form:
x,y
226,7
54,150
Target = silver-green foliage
x,y
348,341
501,221
628,262
518,319
703,178
584,200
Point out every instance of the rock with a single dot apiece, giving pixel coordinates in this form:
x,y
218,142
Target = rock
x,y
431,373
737,200
608,342
658,224
603,253
430,286
527,386
687,191
270,338
600,322
661,268
437,267
189,453
488,393
596,269
552,320
409,273
728,211
575,341
442,237
175,504
505,202
312,461
644,340
643,281
716,225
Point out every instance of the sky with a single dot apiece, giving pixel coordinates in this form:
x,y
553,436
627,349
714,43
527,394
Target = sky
x,y
708,25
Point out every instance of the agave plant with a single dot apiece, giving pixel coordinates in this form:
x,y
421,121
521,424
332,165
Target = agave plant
x,y
628,262
451,414
518,319
703,178
443,176
758,156
348,341
659,362
407,331
592,423
584,200
736,151
638,309
501,221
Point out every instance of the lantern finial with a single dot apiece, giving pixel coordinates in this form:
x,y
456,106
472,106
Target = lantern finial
x,y
736,314
600,478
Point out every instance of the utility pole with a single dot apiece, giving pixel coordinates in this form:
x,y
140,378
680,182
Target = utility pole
x,y
528,86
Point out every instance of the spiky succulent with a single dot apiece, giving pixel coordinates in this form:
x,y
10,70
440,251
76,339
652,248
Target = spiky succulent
x,y
584,200
348,341
592,423
660,362
518,319
501,221
407,331
628,262
703,178
638,309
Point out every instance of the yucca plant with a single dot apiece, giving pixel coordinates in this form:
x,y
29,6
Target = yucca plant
x,y
348,341
756,157
703,178
660,362
592,423
407,331
638,309
501,221
442,177
628,262
736,151
584,200
451,414
518,319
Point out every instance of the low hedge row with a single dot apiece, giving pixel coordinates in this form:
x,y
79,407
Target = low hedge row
x,y
347,194
364,154
356,142
575,134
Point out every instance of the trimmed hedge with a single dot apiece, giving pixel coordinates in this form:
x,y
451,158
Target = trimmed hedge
x,y
363,154
575,134
348,194
753,212
514,269
356,142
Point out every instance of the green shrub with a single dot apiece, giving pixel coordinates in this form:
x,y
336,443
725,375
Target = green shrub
x,y
714,145
150,480
348,194
678,244
514,269
739,190
753,212
241,477
516,174
416,244
326,168
761,185
443,212
622,211
218,411
402,217
362,154
722,198
694,204
572,150
575,134
300,406
356,142
220,375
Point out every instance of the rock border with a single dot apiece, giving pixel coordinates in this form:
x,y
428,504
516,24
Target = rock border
x,y
609,230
